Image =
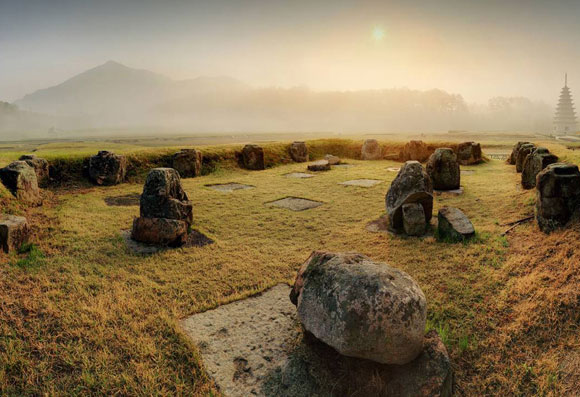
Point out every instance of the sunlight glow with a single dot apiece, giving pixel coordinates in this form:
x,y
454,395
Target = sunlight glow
x,y
378,33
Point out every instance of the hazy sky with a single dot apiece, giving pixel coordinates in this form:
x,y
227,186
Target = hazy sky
x,y
476,48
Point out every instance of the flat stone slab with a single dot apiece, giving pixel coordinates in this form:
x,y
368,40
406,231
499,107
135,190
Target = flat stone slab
x,y
126,200
393,169
467,172
344,165
294,203
361,182
242,342
455,192
298,175
229,187
255,347
194,239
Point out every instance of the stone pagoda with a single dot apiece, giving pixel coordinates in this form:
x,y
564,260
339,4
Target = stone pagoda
x,y
565,117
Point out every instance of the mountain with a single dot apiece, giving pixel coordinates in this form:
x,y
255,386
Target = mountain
x,y
115,96
118,93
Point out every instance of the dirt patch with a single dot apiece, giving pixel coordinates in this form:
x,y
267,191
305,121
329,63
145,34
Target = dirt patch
x,y
127,200
380,225
229,187
294,203
194,239
467,172
298,175
197,239
361,182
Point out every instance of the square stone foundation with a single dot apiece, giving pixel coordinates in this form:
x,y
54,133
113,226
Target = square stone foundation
x,y
294,203
229,187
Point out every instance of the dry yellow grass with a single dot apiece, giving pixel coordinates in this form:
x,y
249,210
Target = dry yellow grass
x,y
86,317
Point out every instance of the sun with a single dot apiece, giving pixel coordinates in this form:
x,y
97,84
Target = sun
x,y
378,33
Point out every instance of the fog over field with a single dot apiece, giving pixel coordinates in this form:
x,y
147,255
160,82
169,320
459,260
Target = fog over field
x,y
249,66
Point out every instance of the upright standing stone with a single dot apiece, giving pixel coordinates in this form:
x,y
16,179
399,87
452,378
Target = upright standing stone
x,y
514,155
411,185
14,232
414,219
443,169
166,212
188,163
371,150
415,150
522,154
253,157
535,162
361,308
299,152
20,179
469,153
557,196
41,168
107,168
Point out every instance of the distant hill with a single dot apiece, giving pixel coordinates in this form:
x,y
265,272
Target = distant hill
x,y
115,96
115,91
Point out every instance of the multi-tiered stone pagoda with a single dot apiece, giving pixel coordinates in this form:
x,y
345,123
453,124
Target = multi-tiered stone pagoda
x,y
565,117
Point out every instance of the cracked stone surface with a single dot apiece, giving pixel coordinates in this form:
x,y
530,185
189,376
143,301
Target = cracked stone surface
x,y
229,187
242,342
294,203
298,175
361,182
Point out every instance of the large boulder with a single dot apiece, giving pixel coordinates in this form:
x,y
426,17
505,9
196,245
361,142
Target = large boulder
x,y
253,157
188,163
14,232
454,225
535,162
411,185
371,150
299,152
521,155
20,179
164,197
332,159
557,196
107,168
513,156
469,153
443,169
415,150
361,308
41,168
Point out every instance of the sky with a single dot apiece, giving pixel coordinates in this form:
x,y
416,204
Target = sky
x,y
479,48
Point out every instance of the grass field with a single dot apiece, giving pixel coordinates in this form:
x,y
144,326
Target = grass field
x,y
81,315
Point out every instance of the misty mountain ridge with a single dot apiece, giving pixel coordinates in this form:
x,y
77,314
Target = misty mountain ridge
x,y
113,95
